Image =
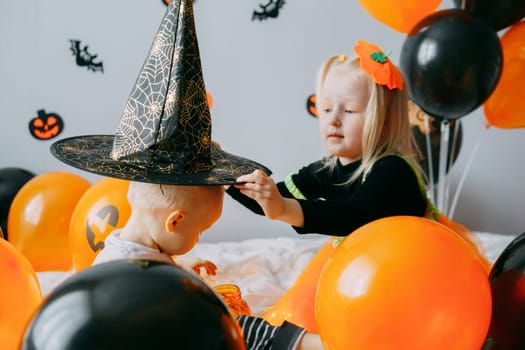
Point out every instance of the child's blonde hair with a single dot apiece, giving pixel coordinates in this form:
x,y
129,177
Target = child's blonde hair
x,y
387,127
165,197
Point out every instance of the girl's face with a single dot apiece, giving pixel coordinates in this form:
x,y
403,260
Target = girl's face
x,y
342,113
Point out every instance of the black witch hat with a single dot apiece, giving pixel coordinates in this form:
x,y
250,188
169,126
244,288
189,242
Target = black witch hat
x,y
164,134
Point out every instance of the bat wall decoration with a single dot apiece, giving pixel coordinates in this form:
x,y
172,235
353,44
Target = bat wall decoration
x,y
84,58
270,10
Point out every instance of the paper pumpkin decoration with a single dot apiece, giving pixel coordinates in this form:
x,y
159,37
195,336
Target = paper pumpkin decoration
x,y
403,282
101,209
46,126
505,107
20,295
38,221
310,105
133,305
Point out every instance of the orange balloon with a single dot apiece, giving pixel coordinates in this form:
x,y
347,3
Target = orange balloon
x,y
103,208
38,220
472,240
297,305
20,295
505,107
400,15
406,283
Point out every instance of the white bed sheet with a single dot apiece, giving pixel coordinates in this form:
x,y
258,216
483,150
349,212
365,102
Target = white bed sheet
x,y
265,268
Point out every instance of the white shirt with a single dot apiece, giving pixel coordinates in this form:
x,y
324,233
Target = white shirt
x,y
116,248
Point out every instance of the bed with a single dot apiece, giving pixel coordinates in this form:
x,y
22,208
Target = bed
x,y
265,268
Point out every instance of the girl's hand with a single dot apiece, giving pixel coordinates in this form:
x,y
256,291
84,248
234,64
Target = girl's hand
x,y
261,187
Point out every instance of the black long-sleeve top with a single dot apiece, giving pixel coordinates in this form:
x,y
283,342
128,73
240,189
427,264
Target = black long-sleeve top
x,y
390,188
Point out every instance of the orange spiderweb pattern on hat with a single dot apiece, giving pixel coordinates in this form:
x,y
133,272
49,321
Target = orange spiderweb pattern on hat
x,y
376,63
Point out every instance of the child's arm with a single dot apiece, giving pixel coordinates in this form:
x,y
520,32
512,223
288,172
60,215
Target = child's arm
x,y
259,334
310,341
261,187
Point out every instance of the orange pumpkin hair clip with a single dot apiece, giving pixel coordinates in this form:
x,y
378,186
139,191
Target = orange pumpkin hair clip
x,y
376,63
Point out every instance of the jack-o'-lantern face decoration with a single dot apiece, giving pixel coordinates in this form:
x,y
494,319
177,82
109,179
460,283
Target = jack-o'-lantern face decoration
x,y
310,106
102,209
46,125
96,232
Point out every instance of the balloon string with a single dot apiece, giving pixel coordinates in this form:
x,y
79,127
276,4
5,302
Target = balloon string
x,y
431,189
442,179
454,144
464,175
451,157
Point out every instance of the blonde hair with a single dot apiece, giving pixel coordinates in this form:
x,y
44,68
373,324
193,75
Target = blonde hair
x,y
387,127
166,197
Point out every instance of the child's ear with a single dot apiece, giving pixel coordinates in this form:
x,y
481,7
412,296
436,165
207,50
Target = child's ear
x,y
173,219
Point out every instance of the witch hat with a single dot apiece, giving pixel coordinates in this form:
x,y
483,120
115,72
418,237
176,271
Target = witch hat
x,y
164,133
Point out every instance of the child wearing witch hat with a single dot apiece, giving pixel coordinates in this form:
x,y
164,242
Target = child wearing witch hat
x,y
163,145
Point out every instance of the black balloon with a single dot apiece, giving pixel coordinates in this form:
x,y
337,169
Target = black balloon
x,y
452,63
507,279
499,14
11,180
133,304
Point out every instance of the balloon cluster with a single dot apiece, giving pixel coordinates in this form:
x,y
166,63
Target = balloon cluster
x,y
454,62
453,59
59,220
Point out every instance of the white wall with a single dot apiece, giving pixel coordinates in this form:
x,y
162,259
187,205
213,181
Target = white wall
x,y
259,74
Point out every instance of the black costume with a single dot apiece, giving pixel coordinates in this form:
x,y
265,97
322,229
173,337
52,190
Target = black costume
x,y
329,207
260,335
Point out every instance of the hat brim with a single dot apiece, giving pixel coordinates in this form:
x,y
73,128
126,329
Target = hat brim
x,y
92,153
